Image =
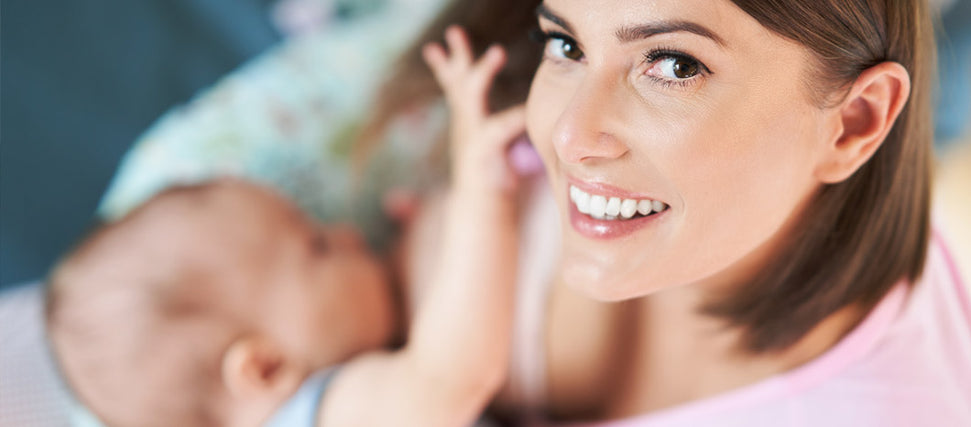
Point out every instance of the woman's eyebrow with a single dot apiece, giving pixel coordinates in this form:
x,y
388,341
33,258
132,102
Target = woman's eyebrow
x,y
545,12
630,34
639,32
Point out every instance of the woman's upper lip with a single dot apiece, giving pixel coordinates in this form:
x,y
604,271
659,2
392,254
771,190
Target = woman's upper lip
x,y
608,190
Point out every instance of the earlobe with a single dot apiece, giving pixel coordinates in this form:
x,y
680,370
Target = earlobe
x,y
866,116
254,367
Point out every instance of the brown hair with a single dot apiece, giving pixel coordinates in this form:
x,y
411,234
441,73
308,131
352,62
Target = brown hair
x,y
864,234
870,231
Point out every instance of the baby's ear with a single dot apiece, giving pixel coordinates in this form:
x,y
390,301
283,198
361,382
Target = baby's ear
x,y
865,117
255,367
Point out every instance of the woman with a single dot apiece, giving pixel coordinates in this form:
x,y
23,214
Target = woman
x,y
751,180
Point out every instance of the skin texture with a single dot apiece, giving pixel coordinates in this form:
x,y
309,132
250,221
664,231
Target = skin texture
x,y
736,151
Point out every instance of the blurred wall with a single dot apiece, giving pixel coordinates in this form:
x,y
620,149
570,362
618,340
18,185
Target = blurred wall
x,y
954,72
79,81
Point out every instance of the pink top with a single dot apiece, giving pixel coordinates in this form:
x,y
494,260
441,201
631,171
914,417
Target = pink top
x,y
907,364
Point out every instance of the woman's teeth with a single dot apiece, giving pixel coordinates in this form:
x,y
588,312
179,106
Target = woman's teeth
x,y
611,208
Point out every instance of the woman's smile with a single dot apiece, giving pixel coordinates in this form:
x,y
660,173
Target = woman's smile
x,y
599,210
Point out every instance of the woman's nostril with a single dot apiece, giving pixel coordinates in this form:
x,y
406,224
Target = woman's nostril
x,y
579,148
583,132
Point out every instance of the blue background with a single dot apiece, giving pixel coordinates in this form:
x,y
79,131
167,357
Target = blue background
x,y
80,81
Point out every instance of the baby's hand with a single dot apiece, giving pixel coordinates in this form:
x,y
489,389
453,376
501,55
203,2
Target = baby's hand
x,y
457,355
479,139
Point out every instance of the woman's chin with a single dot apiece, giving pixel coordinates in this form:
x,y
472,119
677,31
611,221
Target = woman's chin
x,y
607,285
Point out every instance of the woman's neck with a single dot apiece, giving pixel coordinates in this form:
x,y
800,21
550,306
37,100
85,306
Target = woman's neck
x,y
683,355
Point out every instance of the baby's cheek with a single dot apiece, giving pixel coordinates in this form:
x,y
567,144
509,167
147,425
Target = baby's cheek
x,y
374,309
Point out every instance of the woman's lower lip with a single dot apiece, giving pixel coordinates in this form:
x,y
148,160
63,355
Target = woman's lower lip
x,y
588,226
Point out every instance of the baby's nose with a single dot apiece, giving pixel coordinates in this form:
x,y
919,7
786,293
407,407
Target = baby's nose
x,y
346,236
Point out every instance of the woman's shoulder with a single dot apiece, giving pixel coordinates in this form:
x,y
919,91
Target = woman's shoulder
x,y
937,312
933,330
916,372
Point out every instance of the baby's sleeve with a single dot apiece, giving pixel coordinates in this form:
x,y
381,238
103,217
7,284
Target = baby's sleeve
x,y
301,410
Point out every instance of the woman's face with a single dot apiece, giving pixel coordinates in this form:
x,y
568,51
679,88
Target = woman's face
x,y
687,110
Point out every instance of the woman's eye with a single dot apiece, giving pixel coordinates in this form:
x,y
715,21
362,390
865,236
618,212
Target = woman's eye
x,y
674,67
561,46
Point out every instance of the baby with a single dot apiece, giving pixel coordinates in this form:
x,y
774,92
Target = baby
x,y
211,304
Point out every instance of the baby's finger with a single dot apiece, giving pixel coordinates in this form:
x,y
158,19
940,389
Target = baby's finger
x,y
458,45
484,74
436,58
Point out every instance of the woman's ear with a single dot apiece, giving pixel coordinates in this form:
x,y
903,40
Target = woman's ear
x,y
254,367
864,118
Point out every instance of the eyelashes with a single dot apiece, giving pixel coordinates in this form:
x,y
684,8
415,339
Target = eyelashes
x,y
674,67
537,35
558,45
540,36
666,66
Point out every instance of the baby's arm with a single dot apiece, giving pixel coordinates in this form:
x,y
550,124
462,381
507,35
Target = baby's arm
x,y
456,357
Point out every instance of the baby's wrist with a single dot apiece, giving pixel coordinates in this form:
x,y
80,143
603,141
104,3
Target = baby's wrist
x,y
476,199
482,192
493,178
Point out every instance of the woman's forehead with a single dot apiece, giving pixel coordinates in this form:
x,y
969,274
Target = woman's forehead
x,y
627,20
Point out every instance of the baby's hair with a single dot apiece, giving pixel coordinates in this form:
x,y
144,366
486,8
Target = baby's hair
x,y
111,311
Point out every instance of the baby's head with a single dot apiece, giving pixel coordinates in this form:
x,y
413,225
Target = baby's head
x,y
209,305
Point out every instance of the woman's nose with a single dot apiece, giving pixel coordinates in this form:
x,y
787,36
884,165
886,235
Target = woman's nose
x,y
585,131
